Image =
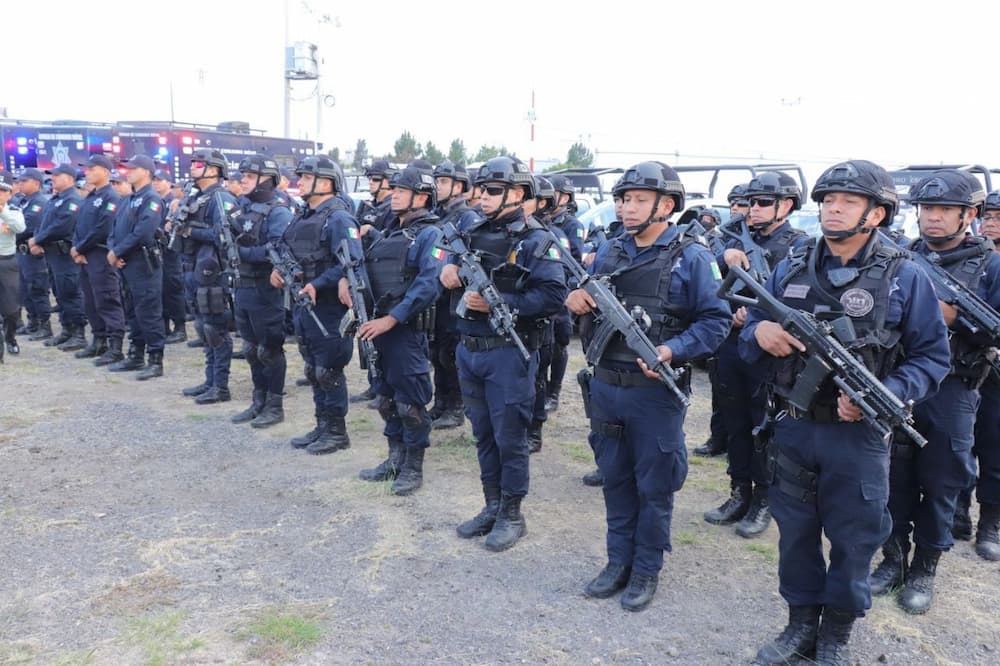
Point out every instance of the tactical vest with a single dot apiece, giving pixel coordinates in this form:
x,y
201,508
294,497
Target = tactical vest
x,y
646,284
966,264
864,301
251,224
776,246
197,219
308,238
385,260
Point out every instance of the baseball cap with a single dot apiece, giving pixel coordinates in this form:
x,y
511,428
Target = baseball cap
x,y
6,181
162,174
34,174
67,169
98,160
141,162
117,177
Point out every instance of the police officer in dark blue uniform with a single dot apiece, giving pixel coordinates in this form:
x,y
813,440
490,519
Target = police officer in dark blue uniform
x,y
259,307
773,196
562,218
209,169
636,420
987,447
312,238
134,250
404,262
377,212
174,308
99,281
447,412
53,239
830,469
709,219
34,272
925,483
497,383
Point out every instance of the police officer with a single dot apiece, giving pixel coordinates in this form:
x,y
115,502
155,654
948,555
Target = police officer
x,y
452,182
598,235
259,307
11,224
99,281
773,196
120,185
53,239
134,250
709,219
404,263
208,281
925,483
497,383
562,218
174,310
378,211
987,432
312,238
831,473
637,421
34,272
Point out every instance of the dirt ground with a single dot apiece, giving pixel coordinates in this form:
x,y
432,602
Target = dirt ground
x,y
139,528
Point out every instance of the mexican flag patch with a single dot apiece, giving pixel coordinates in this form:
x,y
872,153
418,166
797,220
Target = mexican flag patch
x,y
352,233
564,242
154,206
716,273
553,252
111,207
227,206
579,232
439,254
35,208
73,207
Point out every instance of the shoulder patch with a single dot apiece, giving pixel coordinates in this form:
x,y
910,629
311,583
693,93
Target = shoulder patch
x,y
111,206
716,273
352,233
73,207
438,253
553,253
154,206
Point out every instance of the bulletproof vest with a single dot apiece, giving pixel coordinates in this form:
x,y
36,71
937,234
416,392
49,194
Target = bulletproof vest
x,y
776,245
374,214
308,238
251,224
862,296
646,284
197,219
385,261
452,214
966,264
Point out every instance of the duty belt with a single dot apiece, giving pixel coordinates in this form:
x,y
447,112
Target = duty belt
x,y
822,413
485,343
624,378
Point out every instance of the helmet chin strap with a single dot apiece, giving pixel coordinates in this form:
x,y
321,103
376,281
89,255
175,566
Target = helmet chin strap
x,y
503,204
313,193
859,228
942,240
410,207
639,228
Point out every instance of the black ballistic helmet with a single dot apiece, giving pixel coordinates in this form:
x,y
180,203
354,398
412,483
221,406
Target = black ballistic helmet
x,y
506,170
457,172
417,176
949,187
738,195
262,166
379,169
212,157
992,201
860,177
563,185
653,176
321,166
775,184
545,191
712,213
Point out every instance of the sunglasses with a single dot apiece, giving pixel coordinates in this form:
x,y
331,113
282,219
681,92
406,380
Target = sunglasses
x,y
375,179
763,202
492,190
197,165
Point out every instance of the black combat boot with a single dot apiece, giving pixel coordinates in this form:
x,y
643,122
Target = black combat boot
x,y
594,479
834,635
388,469
333,439
77,340
194,391
178,335
154,368
437,409
65,334
552,402
451,417
135,360
890,573
988,532
90,351
273,412
29,328
509,526
322,425
961,526
918,591
639,592
10,335
411,474
112,354
796,640
42,332
213,395
612,578
713,446
251,412
758,515
364,396
483,522
734,508
535,436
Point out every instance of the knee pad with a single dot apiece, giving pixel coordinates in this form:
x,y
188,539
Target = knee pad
x,y
413,416
251,355
215,336
386,406
269,356
329,379
310,373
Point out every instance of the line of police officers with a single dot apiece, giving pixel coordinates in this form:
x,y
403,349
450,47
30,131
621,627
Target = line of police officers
x,y
823,471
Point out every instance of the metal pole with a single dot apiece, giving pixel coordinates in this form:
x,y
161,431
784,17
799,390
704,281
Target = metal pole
x,y
287,83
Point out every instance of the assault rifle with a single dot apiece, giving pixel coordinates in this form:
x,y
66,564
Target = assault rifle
x,y
738,229
291,273
178,219
474,278
357,315
827,358
612,317
226,240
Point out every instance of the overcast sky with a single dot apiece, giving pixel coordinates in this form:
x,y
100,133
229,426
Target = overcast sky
x,y
896,82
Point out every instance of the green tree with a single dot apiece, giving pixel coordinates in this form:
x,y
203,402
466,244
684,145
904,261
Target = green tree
x,y
457,152
489,152
432,154
579,156
334,154
407,149
360,155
